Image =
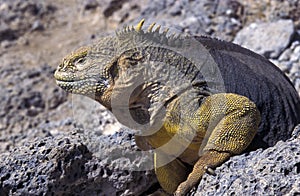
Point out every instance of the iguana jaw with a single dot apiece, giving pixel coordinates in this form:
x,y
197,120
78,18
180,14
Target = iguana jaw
x,y
88,86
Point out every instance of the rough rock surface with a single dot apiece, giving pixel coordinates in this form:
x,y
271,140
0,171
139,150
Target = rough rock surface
x,y
289,62
260,35
24,101
65,165
198,17
38,148
19,17
274,171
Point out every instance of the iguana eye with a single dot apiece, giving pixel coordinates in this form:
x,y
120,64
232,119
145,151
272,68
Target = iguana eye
x,y
80,60
79,63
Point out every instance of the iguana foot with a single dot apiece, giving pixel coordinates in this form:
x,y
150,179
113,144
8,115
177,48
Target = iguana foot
x,y
210,159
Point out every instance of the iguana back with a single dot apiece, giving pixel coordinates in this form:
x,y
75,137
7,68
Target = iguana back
x,y
249,74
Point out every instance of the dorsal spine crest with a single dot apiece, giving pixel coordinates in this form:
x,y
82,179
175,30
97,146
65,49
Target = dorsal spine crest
x,y
150,34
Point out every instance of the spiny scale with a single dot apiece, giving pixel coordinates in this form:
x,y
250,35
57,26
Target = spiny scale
x,y
151,27
172,40
139,27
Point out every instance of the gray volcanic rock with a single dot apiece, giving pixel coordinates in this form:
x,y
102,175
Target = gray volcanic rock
x,y
289,62
24,103
296,81
274,171
64,165
82,164
18,17
256,37
197,16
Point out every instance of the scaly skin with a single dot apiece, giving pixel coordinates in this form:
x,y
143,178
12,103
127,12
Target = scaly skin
x,y
196,99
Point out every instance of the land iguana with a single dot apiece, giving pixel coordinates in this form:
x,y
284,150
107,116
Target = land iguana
x,y
197,100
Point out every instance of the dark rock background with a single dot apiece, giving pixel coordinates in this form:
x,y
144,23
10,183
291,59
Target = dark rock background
x,y
55,143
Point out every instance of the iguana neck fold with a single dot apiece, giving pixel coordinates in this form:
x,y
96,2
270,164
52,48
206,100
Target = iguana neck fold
x,y
149,79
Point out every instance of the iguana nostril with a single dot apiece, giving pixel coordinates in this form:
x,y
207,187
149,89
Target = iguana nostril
x,y
60,66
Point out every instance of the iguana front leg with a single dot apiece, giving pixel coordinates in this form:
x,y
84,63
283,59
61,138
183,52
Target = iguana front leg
x,y
236,119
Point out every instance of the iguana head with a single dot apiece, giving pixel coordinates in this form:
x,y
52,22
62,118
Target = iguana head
x,y
93,70
88,71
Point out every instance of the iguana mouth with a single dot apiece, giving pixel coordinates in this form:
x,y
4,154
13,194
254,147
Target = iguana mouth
x,y
67,76
82,85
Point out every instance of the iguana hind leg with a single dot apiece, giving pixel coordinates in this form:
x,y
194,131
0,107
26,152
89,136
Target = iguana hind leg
x,y
235,121
171,173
